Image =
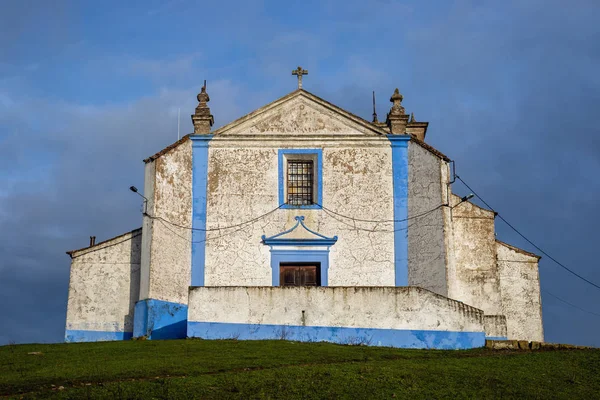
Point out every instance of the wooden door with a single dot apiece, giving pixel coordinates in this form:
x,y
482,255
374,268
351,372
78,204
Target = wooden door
x,y
292,274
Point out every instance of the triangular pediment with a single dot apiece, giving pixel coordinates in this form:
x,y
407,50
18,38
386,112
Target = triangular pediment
x,y
300,113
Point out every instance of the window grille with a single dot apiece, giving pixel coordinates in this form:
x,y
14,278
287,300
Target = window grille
x,y
300,182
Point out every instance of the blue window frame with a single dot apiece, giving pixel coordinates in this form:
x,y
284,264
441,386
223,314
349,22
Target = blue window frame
x,y
301,154
320,257
298,254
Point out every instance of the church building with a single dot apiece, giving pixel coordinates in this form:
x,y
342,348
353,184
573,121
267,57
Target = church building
x,y
302,221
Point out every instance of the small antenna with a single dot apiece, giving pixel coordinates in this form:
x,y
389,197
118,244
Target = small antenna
x,y
374,111
205,84
178,119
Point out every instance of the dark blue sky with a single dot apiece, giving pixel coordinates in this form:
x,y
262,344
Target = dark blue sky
x,y
89,89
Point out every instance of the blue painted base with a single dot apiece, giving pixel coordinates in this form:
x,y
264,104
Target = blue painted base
x,y
157,319
496,338
72,335
410,339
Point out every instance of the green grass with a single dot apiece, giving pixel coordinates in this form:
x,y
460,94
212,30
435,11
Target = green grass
x,y
279,369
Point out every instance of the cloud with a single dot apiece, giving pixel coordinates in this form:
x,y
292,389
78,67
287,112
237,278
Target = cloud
x,y
182,67
513,102
510,91
68,180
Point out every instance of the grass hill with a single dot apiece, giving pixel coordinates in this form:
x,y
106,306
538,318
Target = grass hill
x,y
279,369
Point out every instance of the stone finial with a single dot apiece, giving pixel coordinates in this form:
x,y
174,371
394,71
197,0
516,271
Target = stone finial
x,y
412,118
397,118
202,118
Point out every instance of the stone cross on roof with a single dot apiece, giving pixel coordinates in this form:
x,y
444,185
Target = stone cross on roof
x,y
299,72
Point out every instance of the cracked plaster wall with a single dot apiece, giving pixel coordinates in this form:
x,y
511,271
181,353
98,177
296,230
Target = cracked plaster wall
x,y
495,326
426,240
374,307
104,285
476,280
243,184
520,288
169,249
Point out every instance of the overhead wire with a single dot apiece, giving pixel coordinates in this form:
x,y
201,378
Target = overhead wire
x,y
571,304
205,239
383,220
524,237
355,227
218,228
244,224
281,205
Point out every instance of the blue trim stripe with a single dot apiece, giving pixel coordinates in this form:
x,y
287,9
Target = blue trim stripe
x,y
400,183
302,256
496,338
409,339
199,184
158,319
74,335
281,176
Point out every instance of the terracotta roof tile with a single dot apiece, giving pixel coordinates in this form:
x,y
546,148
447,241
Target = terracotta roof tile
x,y
167,149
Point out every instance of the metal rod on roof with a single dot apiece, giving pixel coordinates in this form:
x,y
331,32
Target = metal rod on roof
x,y
374,110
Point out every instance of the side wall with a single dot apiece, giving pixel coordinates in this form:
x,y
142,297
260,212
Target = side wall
x,y
426,241
243,184
520,288
103,289
393,316
170,246
476,279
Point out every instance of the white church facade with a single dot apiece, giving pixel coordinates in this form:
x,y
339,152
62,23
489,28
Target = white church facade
x,y
302,221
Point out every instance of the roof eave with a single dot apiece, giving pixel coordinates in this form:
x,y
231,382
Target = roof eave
x,y
519,250
71,252
167,149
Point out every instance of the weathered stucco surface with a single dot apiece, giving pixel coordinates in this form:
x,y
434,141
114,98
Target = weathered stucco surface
x,y
374,307
520,287
451,251
104,285
476,273
147,223
298,114
426,241
495,326
170,246
243,184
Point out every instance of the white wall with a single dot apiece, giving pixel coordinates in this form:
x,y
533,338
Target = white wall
x,y
372,307
147,224
495,326
243,184
426,235
476,280
169,248
520,287
104,285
